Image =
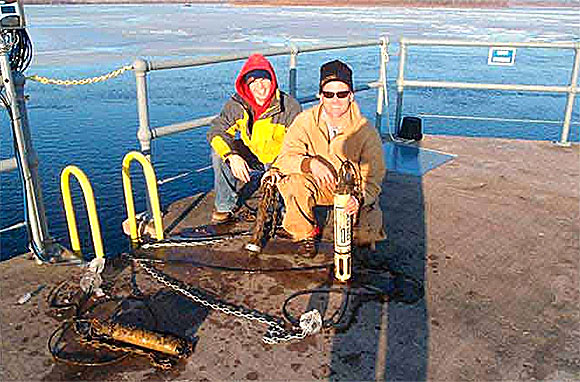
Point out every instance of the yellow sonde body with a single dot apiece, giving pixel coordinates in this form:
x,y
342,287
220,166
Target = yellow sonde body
x,y
346,187
342,238
146,339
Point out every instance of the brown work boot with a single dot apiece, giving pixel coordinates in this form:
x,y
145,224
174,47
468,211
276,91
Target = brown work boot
x,y
247,215
307,247
218,217
282,233
145,228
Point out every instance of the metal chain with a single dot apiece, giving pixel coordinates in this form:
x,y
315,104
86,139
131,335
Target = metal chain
x,y
180,243
275,333
176,241
85,81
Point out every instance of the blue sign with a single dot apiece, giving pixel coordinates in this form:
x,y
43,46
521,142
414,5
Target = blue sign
x,y
501,56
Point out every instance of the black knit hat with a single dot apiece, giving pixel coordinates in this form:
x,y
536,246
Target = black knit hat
x,y
335,71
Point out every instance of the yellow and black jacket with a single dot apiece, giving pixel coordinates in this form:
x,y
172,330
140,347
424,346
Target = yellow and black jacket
x,y
263,136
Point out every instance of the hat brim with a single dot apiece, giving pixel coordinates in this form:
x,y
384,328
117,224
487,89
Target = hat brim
x,y
333,79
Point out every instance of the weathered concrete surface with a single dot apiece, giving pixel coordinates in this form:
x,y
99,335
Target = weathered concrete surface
x,y
493,235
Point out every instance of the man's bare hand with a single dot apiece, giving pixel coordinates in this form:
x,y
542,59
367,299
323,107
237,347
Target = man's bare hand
x,y
322,174
239,167
352,206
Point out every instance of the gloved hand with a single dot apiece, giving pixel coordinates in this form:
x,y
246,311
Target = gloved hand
x,y
272,175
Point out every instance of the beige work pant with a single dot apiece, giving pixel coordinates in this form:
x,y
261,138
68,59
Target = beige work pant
x,y
301,194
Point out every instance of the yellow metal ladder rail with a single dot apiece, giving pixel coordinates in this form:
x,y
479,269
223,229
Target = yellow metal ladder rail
x,y
91,210
151,180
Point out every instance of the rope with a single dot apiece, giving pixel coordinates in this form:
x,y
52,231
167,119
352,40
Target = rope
x,y
15,226
84,81
267,216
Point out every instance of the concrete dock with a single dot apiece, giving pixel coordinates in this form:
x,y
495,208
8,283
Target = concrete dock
x,y
492,236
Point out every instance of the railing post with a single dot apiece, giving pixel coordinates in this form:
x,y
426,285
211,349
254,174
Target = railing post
x,y
144,134
400,84
382,96
292,72
565,136
25,154
33,188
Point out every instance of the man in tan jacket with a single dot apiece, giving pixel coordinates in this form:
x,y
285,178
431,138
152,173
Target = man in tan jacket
x,y
317,143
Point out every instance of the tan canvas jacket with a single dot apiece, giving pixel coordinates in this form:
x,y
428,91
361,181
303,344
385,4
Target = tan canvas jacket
x,y
359,142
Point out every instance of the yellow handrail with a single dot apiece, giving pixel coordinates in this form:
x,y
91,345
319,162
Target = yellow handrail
x,y
153,195
91,210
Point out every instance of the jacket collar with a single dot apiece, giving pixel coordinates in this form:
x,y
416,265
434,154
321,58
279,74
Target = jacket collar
x,y
355,120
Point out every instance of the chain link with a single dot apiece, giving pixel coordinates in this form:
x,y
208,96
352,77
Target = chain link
x,y
276,333
181,243
84,81
177,241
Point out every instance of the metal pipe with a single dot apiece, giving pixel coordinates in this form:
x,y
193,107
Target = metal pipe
x,y
152,192
13,227
466,85
7,165
482,118
555,45
163,131
180,127
90,205
35,189
199,61
292,74
571,90
400,85
565,136
381,90
25,153
144,134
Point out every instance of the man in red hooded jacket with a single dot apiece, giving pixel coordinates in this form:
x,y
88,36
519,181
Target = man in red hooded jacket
x,y
247,135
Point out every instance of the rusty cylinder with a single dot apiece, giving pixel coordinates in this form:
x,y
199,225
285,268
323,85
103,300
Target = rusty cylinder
x,y
146,339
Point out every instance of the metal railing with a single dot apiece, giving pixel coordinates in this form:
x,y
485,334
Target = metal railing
x,y
27,160
571,89
25,157
146,133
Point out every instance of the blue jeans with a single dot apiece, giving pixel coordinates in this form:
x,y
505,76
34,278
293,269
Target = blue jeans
x,y
230,192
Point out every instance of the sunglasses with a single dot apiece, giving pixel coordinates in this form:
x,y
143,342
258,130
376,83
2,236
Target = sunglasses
x,y
342,94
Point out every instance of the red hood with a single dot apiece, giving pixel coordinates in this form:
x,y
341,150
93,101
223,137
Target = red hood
x,y
255,61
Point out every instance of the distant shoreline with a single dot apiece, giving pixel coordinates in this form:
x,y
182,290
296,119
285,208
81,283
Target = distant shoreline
x,y
337,3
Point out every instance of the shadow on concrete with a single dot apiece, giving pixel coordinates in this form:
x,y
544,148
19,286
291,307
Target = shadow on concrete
x,y
391,341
